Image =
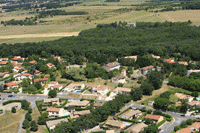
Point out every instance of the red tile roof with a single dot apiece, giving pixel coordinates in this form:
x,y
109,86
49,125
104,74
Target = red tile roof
x,y
33,62
53,110
169,61
11,84
185,130
148,67
57,86
4,62
102,87
36,71
153,117
112,64
98,104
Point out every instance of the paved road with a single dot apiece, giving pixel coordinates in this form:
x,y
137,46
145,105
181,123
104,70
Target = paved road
x,y
168,127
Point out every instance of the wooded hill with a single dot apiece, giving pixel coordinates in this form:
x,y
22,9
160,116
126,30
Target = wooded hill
x,y
110,41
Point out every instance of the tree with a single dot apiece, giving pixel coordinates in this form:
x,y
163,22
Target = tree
x,y
25,124
25,104
195,94
38,85
173,98
148,121
120,85
146,88
76,74
136,94
45,115
29,110
151,129
156,79
149,111
52,93
143,109
166,94
13,110
41,120
176,128
28,117
33,125
161,103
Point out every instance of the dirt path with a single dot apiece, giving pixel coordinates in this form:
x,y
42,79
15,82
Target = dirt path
x,y
155,93
64,34
9,125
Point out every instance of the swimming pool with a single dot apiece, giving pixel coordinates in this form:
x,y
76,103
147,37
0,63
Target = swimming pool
x,y
198,98
78,92
127,124
67,114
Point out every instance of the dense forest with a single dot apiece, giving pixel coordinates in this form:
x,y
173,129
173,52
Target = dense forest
x,y
100,44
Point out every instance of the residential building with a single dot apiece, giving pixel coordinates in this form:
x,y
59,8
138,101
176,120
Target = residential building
x,y
155,57
137,128
150,103
57,87
52,83
194,104
37,72
46,76
56,58
33,62
183,63
185,130
110,131
4,74
182,96
155,118
131,24
98,104
122,90
23,76
52,124
80,104
102,90
16,58
17,68
146,69
74,86
75,65
52,100
10,85
123,72
93,88
195,126
55,112
76,114
111,66
132,114
119,79
116,124
50,65
3,62
132,57
169,61
41,80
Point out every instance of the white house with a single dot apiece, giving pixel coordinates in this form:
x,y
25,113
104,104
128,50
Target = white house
x,y
121,90
52,124
50,65
10,85
24,76
102,90
57,87
74,86
55,112
111,66
17,68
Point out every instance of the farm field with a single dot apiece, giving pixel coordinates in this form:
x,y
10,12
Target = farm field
x,y
9,123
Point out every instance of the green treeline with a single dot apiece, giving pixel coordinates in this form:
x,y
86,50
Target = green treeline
x,y
191,5
112,0
60,12
100,44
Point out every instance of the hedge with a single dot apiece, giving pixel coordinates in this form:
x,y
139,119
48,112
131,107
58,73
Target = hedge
x,y
160,123
63,104
5,78
57,118
91,100
11,101
76,108
84,89
133,120
168,117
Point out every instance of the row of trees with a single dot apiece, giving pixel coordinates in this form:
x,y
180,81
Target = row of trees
x,y
26,21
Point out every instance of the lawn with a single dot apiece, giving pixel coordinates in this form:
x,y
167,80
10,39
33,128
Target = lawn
x,y
41,128
9,123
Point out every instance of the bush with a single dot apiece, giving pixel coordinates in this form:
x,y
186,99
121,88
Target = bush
x,y
13,110
29,110
157,112
149,111
57,118
160,123
148,121
41,120
25,104
63,104
33,125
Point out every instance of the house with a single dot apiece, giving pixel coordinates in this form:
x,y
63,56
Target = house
x,y
182,96
155,118
98,105
132,114
102,90
155,57
119,79
52,124
57,87
80,104
3,62
17,68
185,130
46,76
110,131
10,85
50,65
137,128
150,103
23,76
41,80
93,88
75,65
4,74
194,104
37,72
74,86
52,83
122,90
123,72
56,58
52,100
146,69
55,112
14,63
132,57
111,66
169,61
76,114
16,58
116,124
33,62
183,63
136,75
195,126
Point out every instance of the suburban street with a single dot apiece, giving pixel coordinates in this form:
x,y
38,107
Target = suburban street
x,y
167,127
